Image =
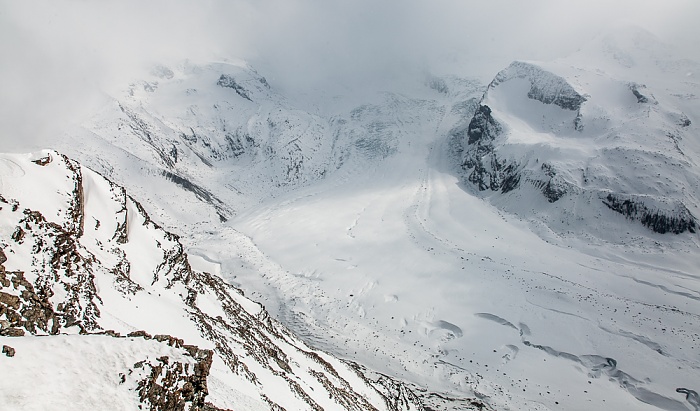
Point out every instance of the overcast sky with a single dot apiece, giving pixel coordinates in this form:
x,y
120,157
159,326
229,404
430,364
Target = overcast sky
x,y
56,55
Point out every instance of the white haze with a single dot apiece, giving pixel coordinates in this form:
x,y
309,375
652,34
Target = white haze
x,y
59,56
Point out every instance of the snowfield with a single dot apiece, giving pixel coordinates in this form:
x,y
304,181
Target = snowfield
x,y
530,243
79,372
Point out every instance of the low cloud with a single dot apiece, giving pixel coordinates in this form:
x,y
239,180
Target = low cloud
x,y
59,56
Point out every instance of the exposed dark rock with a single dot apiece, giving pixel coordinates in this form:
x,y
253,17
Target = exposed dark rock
x,y
553,192
264,82
9,300
201,193
578,123
203,140
641,98
44,160
511,181
545,87
229,82
487,171
121,233
657,220
8,351
569,102
62,262
483,128
211,407
691,396
239,144
399,396
25,308
18,235
551,188
140,333
76,209
370,147
437,84
150,86
170,385
169,339
13,332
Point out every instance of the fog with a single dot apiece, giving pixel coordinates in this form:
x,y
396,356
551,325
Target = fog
x,y
60,56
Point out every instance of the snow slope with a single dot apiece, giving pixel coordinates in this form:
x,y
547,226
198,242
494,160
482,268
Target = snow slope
x,y
199,128
87,372
97,302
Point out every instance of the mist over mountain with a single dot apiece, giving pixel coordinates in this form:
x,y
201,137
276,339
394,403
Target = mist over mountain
x,y
60,56
356,205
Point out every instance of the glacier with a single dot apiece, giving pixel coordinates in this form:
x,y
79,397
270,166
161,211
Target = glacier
x,y
530,243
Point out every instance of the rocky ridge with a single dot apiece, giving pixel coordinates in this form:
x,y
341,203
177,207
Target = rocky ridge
x,y
80,258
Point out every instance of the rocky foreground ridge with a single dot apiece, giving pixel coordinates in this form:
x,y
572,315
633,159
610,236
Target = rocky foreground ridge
x,y
99,307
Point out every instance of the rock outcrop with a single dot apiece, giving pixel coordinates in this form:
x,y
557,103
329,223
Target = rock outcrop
x,y
580,138
545,86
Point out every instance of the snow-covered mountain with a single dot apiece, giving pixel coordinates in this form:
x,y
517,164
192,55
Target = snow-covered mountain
x,y
511,242
594,144
102,309
219,135
219,122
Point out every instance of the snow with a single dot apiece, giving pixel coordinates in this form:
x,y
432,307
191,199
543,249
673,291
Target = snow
x,y
379,252
447,258
76,372
136,278
18,177
408,229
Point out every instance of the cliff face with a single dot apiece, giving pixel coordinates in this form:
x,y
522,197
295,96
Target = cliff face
x,y
91,286
544,86
487,168
564,144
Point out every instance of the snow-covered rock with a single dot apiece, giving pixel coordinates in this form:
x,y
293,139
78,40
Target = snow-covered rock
x,y
586,150
217,134
218,138
101,304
